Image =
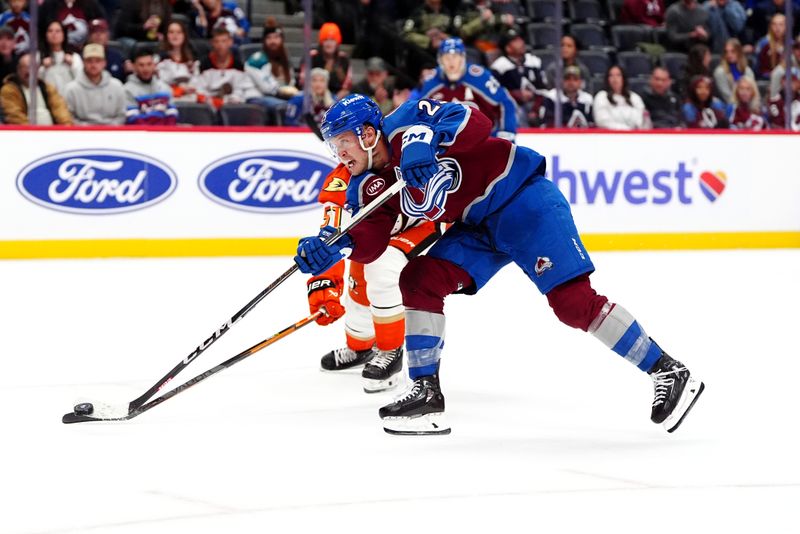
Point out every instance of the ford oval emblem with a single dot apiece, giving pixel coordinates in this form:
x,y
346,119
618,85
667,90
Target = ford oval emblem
x,y
96,181
266,180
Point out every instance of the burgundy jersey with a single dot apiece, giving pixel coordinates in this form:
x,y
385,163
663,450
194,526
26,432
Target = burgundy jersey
x,y
480,173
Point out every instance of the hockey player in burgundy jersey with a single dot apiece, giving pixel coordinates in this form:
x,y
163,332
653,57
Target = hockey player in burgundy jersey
x,y
455,80
503,210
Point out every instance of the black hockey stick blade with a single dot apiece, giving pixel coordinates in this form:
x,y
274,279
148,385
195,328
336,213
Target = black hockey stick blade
x,y
72,417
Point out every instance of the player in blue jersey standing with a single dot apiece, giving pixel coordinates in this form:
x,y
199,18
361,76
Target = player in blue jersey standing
x,y
503,210
456,80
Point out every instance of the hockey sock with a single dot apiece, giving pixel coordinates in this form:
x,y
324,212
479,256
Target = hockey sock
x,y
389,332
620,332
424,342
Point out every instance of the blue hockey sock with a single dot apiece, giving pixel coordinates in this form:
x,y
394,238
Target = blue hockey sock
x,y
620,332
424,342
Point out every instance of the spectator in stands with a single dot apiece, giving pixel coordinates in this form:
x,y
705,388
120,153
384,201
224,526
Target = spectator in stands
x,y
60,63
328,56
662,105
576,104
726,20
222,78
402,91
521,73
456,80
424,32
6,51
649,12
687,24
377,84
483,24
702,109
569,56
732,67
95,97
115,63
15,95
18,19
149,100
764,10
74,14
177,66
747,113
616,107
778,75
698,64
218,15
143,20
777,108
270,71
321,100
769,50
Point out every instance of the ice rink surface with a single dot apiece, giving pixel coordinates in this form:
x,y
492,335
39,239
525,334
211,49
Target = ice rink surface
x,y
551,431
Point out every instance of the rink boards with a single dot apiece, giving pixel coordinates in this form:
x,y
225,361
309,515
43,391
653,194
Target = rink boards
x,y
223,192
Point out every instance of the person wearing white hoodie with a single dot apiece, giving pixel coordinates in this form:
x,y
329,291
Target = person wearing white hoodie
x,y
616,107
95,97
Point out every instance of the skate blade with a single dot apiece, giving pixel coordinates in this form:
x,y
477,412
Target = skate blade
x,y
421,425
689,396
377,386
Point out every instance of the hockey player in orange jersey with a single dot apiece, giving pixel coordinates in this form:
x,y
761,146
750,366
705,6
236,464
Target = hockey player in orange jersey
x,y
375,319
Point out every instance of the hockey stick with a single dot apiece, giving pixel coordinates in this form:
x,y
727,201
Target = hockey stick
x,y
137,403
107,413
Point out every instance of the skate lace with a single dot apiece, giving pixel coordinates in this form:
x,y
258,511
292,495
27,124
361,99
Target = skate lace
x,y
344,355
663,383
383,359
412,392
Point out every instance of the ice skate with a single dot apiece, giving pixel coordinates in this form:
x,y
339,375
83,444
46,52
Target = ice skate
x,y
419,411
345,358
676,391
384,371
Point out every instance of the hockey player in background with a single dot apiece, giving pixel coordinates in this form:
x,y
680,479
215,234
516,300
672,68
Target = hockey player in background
x,y
375,319
503,210
455,80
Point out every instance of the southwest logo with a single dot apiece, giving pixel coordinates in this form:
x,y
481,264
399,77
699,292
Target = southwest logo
x,y
657,186
713,184
266,180
96,181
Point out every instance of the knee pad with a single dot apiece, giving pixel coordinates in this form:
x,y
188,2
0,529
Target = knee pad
x,y
576,303
426,281
383,283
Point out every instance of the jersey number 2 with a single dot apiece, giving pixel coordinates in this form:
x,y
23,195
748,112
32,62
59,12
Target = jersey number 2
x,y
426,106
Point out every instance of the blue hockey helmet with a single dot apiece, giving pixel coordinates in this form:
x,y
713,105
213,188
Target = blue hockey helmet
x,y
351,114
453,45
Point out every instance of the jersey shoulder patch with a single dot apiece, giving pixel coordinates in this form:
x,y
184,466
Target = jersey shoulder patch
x,y
476,70
335,187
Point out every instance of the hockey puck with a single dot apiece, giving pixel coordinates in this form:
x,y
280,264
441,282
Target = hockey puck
x,y
84,408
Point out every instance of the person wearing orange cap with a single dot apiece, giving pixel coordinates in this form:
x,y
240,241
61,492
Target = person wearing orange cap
x,y
330,57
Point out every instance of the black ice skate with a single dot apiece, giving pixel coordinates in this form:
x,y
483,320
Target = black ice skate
x,y
676,391
419,411
345,358
384,371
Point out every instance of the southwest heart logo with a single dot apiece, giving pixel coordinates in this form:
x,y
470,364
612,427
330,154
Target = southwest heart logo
x,y
712,184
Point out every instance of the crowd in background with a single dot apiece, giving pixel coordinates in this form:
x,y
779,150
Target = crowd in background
x,y
624,64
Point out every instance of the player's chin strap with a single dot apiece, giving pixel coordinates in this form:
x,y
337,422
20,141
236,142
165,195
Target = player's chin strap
x,y
369,149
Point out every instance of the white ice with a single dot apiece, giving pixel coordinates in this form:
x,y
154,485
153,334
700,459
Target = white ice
x,y
551,431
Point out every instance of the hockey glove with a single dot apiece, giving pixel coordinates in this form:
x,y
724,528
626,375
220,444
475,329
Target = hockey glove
x,y
418,156
315,257
324,292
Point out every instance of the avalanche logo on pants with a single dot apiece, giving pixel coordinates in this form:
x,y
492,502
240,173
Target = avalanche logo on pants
x,y
542,264
428,203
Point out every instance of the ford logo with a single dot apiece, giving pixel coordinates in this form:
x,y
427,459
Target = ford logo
x,y
96,181
266,180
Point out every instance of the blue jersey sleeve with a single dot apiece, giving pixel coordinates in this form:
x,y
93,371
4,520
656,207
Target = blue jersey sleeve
x,y
487,85
456,127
